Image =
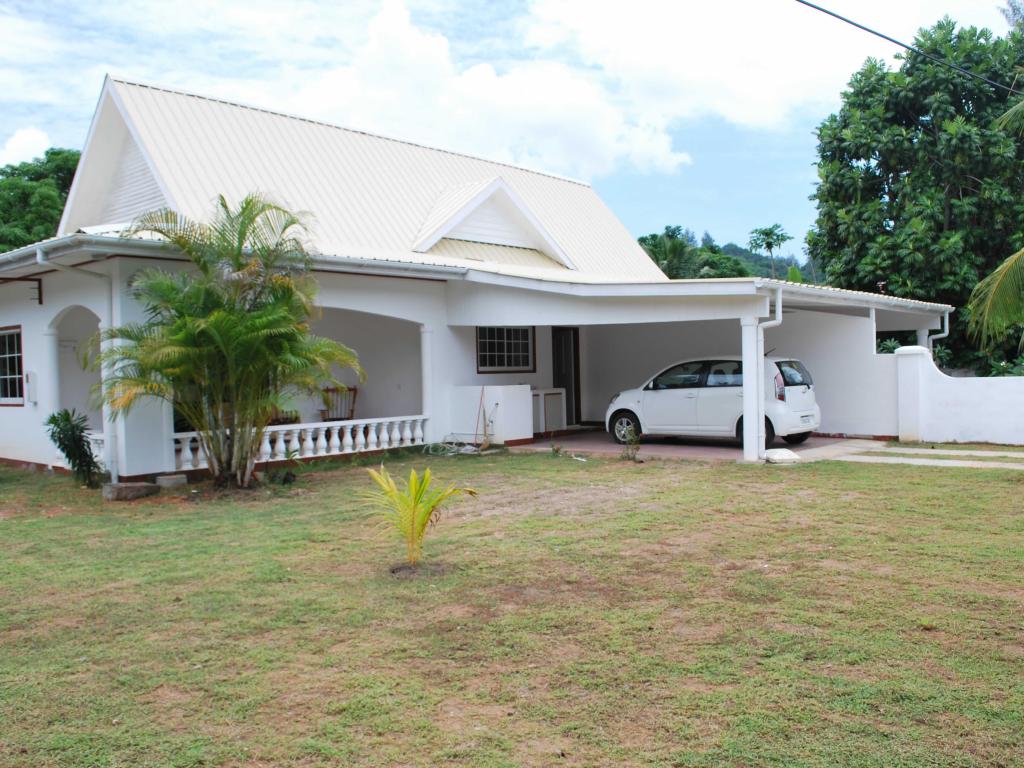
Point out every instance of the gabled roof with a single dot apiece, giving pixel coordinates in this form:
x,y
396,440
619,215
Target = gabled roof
x,y
151,146
488,212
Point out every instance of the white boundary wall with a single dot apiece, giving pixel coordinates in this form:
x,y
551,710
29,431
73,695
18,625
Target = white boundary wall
x,y
934,407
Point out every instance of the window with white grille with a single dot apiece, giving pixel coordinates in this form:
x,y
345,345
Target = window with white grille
x,y
504,350
12,373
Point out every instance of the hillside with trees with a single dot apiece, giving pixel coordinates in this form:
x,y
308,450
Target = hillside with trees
x,y
682,257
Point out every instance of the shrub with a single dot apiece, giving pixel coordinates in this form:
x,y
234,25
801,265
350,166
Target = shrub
x,y
68,431
412,509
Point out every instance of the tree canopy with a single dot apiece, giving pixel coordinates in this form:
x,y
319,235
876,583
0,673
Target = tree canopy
x,y
679,256
919,188
32,197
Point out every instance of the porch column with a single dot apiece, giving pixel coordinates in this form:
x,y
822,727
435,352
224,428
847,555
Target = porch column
x,y
922,337
426,379
752,394
49,376
111,449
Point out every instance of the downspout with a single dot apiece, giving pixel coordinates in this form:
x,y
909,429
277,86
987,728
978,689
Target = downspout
x,y
777,321
110,435
945,331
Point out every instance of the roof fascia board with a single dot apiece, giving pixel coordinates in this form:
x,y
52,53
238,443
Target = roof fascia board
x,y
853,298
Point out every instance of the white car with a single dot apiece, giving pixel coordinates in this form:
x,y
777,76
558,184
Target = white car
x,y
704,398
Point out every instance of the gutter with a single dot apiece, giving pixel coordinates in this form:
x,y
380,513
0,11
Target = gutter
x,y
945,331
110,435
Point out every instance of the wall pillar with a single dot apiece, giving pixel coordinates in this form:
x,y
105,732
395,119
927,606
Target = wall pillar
x,y
753,397
48,386
426,382
922,337
910,382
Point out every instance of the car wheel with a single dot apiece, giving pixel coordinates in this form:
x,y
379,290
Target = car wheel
x,y
624,424
796,439
769,432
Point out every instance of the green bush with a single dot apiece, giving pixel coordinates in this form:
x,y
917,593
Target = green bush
x,y
68,431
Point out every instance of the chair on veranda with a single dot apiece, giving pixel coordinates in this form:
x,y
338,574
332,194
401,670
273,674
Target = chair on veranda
x,y
340,404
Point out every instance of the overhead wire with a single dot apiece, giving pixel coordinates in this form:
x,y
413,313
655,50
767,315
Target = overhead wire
x,y
918,51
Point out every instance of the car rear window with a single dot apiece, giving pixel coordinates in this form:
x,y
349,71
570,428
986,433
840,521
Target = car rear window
x,y
794,373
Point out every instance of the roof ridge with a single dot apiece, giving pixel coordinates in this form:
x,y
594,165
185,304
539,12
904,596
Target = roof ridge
x,y
276,113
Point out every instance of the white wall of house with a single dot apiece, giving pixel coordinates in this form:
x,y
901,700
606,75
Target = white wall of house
x,y
22,435
389,352
463,361
934,407
854,386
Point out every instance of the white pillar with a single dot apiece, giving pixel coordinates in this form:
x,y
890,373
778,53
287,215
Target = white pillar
x,y
753,416
49,397
426,380
922,337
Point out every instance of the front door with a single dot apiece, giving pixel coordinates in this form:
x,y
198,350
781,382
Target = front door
x,y
565,353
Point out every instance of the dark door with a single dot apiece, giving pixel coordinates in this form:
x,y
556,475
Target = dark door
x,y
565,351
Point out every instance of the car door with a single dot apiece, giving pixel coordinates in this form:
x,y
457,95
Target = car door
x,y
720,403
670,400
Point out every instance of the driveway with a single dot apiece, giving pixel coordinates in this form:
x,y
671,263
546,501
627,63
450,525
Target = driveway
x,y
601,443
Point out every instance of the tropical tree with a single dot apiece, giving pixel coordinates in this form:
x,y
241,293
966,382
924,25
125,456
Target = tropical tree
x,y
229,340
769,239
919,186
677,254
412,509
32,196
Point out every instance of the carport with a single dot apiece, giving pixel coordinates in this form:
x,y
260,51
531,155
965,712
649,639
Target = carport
x,y
627,332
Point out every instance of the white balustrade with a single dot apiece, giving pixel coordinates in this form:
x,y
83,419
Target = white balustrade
x,y
330,438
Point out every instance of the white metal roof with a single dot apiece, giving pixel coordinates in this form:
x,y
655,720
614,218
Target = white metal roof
x,y
364,193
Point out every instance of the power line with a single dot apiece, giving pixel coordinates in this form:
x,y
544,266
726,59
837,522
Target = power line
x,y
918,51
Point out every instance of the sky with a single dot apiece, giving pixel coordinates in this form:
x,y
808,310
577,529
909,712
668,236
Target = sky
x,y
697,113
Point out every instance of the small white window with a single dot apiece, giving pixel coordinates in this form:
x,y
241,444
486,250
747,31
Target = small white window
x,y
504,350
12,376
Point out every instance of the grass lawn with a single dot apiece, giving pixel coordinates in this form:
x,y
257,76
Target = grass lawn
x,y
578,614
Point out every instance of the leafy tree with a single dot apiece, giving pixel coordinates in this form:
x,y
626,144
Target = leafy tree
x,y
918,186
32,197
769,239
794,275
676,252
226,341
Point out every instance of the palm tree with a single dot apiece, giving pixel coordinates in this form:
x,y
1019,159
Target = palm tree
x,y
997,302
768,239
227,341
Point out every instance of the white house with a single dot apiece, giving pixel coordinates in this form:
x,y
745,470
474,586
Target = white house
x,y
475,293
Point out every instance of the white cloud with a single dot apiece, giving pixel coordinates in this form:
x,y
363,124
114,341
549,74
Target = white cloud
x,y
24,144
572,86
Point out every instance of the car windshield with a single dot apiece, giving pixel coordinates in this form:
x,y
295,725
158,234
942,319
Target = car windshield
x,y
794,373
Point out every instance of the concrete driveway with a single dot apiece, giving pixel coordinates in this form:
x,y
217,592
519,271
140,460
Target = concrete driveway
x,y
600,443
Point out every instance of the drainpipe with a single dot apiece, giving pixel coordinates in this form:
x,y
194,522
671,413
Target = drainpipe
x,y
777,321
110,434
945,331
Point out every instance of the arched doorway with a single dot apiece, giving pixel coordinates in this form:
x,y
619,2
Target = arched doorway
x,y
77,331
